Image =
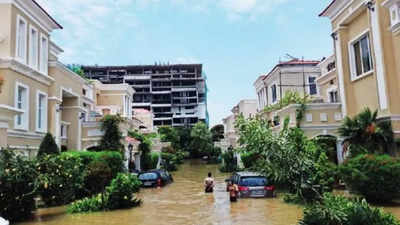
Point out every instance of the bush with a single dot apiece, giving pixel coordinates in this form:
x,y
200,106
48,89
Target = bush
x,y
337,210
154,159
169,161
98,168
48,146
118,195
376,177
112,135
248,159
229,162
17,186
60,179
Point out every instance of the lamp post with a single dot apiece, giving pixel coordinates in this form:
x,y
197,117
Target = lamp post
x,y
130,148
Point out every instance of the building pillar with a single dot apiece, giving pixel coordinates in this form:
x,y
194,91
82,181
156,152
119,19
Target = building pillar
x,y
341,150
340,71
137,161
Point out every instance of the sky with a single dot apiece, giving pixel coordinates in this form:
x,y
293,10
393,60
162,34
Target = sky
x,y
235,40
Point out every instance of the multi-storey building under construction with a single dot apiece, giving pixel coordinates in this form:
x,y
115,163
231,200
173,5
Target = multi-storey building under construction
x,y
175,94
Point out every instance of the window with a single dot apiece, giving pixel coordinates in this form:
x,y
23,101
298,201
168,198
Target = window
x,y
22,103
309,117
274,96
323,117
21,40
333,96
312,85
361,60
41,112
44,54
64,129
33,47
338,116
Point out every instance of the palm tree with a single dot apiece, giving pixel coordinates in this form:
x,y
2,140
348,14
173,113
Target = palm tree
x,y
366,132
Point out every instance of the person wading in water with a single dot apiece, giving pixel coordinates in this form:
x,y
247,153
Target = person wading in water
x,y
233,190
209,183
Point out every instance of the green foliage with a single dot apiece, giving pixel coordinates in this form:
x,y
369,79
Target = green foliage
x,y
337,210
77,69
98,175
154,159
17,186
169,134
111,139
328,145
169,161
366,134
60,179
118,195
201,144
217,132
290,97
229,161
144,147
287,158
300,113
184,138
48,146
248,159
376,177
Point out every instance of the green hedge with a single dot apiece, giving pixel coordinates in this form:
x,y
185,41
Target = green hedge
x,y
376,177
17,186
337,210
154,159
118,195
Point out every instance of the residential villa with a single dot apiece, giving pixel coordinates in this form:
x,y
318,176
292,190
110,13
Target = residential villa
x,y
247,108
367,45
39,94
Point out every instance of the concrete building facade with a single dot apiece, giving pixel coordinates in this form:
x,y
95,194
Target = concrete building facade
x,y
175,94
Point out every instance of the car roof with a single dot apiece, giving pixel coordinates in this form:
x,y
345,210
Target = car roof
x,y
153,171
249,174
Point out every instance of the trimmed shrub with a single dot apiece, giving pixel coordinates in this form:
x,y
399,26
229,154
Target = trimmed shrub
x,y
376,177
17,186
98,175
337,210
118,195
48,146
60,179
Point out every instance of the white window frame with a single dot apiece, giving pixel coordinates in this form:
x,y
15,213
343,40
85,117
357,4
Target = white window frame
x,y
353,70
309,85
44,56
309,117
25,114
43,128
323,117
17,44
338,116
31,48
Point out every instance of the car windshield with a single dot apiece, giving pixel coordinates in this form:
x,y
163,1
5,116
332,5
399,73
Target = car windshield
x,y
148,176
253,181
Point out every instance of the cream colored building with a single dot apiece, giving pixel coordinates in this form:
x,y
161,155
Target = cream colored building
x,y
39,94
247,108
367,45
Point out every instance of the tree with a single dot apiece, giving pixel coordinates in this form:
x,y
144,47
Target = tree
x,y
111,139
144,147
169,134
201,143
48,146
184,138
217,132
366,134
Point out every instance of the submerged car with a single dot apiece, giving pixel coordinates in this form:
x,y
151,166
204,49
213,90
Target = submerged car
x,y
252,185
155,178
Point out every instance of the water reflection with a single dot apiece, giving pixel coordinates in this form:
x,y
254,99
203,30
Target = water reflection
x,y
184,202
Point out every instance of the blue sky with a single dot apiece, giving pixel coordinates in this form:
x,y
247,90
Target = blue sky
x,y
235,40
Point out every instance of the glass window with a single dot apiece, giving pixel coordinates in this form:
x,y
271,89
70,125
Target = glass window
x,y
253,181
333,96
21,39
41,124
273,90
44,54
312,85
362,61
21,102
33,48
148,176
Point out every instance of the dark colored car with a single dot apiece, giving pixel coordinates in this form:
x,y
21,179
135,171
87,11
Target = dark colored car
x,y
252,185
155,178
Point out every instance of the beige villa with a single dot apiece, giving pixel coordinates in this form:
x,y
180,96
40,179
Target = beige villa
x,y
367,45
38,94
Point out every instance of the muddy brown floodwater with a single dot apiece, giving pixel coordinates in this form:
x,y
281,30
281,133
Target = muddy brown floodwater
x,y
184,202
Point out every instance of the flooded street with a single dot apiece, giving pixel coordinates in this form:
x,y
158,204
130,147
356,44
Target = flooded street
x,y
184,202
